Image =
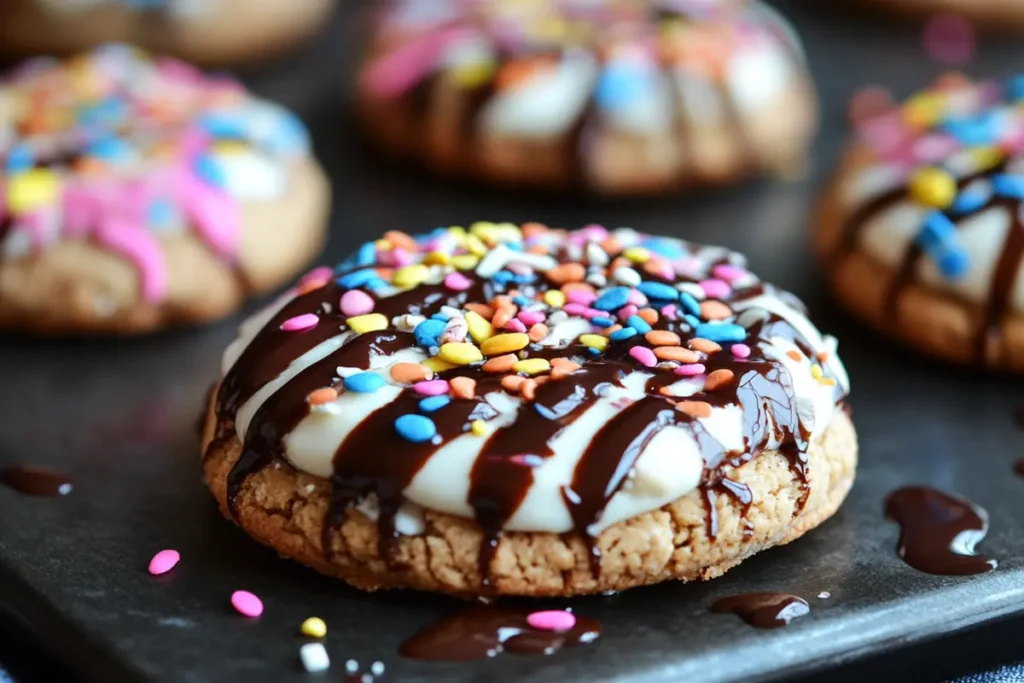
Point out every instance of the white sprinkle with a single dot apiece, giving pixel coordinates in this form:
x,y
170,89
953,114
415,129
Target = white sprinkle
x,y
597,280
352,666
627,276
557,317
451,311
693,289
596,256
314,658
310,488
824,595
377,668
500,256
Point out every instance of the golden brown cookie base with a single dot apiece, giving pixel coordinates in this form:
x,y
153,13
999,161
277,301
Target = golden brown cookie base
x,y
284,509
774,139
78,287
927,319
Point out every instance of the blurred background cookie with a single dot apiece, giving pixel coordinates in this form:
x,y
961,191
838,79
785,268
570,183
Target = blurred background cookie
x,y
215,32
610,96
922,232
137,193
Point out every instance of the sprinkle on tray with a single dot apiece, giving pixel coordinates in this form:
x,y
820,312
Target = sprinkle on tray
x,y
551,620
314,658
163,562
247,604
314,627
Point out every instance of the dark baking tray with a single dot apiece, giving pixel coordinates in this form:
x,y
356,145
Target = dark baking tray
x,y
118,416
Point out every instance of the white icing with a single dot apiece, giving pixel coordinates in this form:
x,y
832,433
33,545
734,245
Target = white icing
x,y
758,76
252,176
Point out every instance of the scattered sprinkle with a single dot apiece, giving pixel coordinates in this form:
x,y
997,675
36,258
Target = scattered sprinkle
x,y
314,627
364,383
551,620
163,562
314,658
299,323
247,604
415,428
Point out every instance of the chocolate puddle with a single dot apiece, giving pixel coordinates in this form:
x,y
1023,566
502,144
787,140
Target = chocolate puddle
x,y
763,610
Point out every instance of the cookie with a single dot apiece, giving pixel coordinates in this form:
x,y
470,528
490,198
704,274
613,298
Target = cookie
x,y
139,193
995,15
529,411
193,30
921,230
607,96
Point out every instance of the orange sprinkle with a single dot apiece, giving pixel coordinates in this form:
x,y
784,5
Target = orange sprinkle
x,y
676,353
514,74
321,396
576,287
608,330
541,379
463,387
401,240
528,389
502,316
717,379
538,249
538,332
619,262
565,363
502,301
694,408
648,315
410,373
654,266
386,274
665,391
662,338
512,382
611,246
307,286
822,356
567,272
500,363
483,310
705,345
714,310
533,229
795,355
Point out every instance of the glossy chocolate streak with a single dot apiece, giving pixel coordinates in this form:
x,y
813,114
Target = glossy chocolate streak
x,y
35,481
763,610
483,632
938,532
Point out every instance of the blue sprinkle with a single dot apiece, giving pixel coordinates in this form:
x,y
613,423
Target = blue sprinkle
x,y
638,323
953,263
441,316
375,283
1006,185
620,84
432,403
514,246
624,333
357,278
693,320
428,333
520,300
110,149
525,279
937,231
364,382
977,131
415,428
670,249
105,113
612,300
207,168
601,321
20,158
592,351
1015,87
222,125
970,200
689,303
289,135
161,213
545,412
721,332
367,254
658,291
503,277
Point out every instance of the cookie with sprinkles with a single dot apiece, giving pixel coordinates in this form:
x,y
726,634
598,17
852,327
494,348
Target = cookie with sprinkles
x,y
921,231
610,96
998,16
193,30
138,192
529,411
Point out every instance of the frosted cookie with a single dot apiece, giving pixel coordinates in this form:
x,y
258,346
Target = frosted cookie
x,y
137,193
921,231
610,96
529,411
205,31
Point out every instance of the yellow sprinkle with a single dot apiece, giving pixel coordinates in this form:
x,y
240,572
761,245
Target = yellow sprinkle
x,y
479,427
933,187
532,366
314,627
550,28
594,341
504,343
32,189
473,75
229,147
411,276
460,353
479,327
816,372
924,110
986,157
458,233
437,258
371,322
476,246
637,254
465,261
554,298
509,232
436,364
383,245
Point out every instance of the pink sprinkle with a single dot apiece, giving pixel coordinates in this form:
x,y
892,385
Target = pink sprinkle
x,y
593,313
644,355
949,38
595,232
400,257
163,562
432,387
531,317
740,350
356,302
317,275
691,370
515,325
727,272
637,298
457,281
670,311
575,309
552,620
581,296
247,604
398,71
687,265
716,289
300,322
626,311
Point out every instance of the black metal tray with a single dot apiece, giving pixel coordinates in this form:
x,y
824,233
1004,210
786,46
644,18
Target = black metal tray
x,y
118,416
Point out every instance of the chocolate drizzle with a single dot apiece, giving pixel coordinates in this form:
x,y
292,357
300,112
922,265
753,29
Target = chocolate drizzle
x,y
483,632
375,462
35,481
938,532
763,610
